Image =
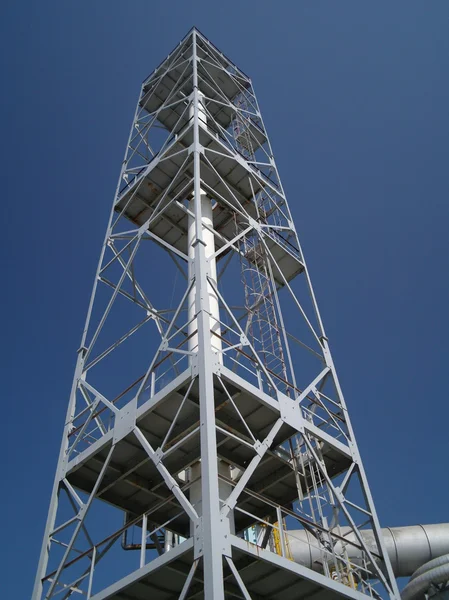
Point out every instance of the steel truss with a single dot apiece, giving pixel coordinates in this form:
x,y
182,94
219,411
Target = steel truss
x,y
176,419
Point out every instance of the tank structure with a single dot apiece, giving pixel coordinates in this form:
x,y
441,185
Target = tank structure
x,y
207,450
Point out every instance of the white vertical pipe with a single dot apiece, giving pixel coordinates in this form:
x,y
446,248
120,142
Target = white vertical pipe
x,y
209,242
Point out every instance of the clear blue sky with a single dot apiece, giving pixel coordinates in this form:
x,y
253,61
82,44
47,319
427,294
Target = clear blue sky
x,y
355,97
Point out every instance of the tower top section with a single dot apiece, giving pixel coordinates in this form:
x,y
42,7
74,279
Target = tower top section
x,y
237,166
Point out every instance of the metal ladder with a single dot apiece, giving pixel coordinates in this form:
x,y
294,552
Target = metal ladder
x,y
263,323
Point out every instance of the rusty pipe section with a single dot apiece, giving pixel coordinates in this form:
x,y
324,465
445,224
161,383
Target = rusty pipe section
x,y
408,547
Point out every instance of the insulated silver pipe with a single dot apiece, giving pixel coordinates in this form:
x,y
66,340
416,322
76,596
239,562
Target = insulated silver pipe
x,y
434,572
408,547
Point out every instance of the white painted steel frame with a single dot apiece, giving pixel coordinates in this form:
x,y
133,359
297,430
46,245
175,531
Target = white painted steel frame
x,y
315,420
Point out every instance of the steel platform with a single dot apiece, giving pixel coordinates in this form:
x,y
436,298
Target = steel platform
x,y
225,177
265,574
132,482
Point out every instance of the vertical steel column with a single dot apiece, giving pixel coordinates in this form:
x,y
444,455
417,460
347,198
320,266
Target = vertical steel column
x,y
209,526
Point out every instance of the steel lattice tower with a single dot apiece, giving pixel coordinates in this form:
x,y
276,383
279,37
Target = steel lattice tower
x,y
207,443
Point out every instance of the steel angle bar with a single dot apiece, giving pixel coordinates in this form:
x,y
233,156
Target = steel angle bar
x,y
175,418
281,320
164,107
69,588
238,578
75,509
110,541
84,427
93,562
256,204
166,156
134,149
276,204
276,227
98,395
53,506
262,164
180,329
307,524
72,493
239,208
341,501
168,61
123,338
89,403
318,401
204,75
116,399
181,442
336,404
237,324
126,295
111,301
166,245
142,131
287,285
130,234
359,508
215,64
140,179
216,127
343,485
231,501
175,89
231,243
226,431
180,305
233,347
313,384
226,104
137,185
235,109
173,129
176,86
179,351
147,96
170,481
218,55
83,513
363,480
320,404
188,212
174,180
63,526
231,400
258,175
263,126
162,213
188,581
118,253
144,379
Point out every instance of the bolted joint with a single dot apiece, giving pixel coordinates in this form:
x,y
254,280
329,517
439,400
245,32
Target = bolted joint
x,y
158,456
244,340
260,448
198,538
